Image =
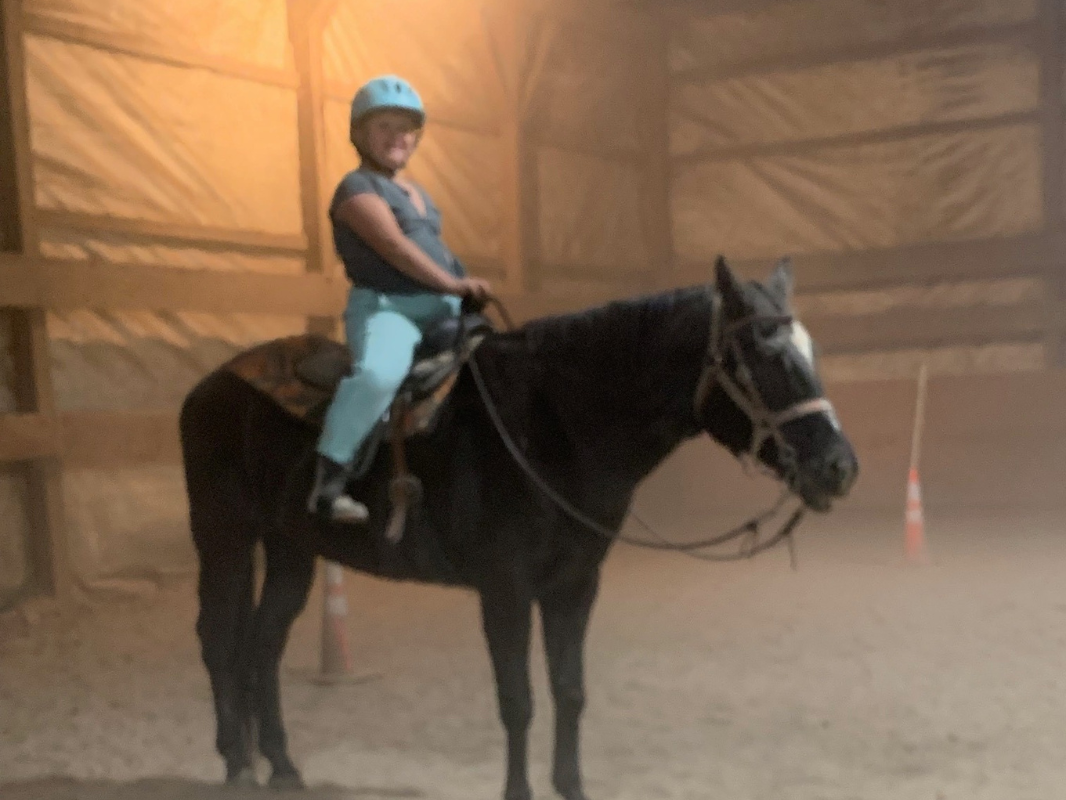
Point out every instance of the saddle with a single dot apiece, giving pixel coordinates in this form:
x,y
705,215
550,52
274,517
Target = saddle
x,y
443,350
301,373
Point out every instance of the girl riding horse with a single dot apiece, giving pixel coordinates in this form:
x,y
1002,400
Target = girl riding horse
x,y
387,231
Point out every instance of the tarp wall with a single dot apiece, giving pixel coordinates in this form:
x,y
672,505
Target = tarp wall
x,y
122,131
833,126
118,135
805,126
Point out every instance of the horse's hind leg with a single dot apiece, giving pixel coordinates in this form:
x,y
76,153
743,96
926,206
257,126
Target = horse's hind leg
x,y
224,624
289,573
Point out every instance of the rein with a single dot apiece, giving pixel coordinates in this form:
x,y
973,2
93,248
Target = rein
x,y
744,393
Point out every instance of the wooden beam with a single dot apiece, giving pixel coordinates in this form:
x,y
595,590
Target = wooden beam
x,y
582,145
528,79
513,239
312,15
64,284
1052,65
25,437
306,22
1020,33
516,233
600,272
1001,257
529,213
906,328
655,192
16,156
175,232
483,267
93,439
40,24
47,546
56,284
897,329
307,54
897,133
115,439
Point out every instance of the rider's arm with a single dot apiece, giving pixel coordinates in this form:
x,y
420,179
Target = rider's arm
x,y
373,221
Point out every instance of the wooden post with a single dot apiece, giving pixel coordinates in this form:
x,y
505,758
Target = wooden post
x,y
48,554
307,21
655,189
519,232
1052,19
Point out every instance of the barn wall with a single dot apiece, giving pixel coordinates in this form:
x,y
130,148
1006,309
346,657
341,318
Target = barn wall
x,y
825,127
583,138
829,129
117,135
446,54
592,92
166,136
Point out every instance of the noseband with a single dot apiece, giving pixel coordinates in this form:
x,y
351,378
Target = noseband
x,y
765,424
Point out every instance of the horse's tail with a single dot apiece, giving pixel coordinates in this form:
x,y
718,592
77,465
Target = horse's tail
x,y
222,517
224,530
225,533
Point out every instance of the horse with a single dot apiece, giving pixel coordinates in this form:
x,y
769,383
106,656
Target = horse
x,y
592,401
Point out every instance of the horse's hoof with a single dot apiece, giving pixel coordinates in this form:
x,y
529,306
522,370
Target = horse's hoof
x,y
571,792
242,778
286,781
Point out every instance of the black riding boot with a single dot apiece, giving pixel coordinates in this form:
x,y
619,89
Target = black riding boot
x,y
329,498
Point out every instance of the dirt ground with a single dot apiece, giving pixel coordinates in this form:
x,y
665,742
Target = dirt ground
x,y
855,678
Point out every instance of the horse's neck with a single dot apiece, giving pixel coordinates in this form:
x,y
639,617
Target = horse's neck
x,y
621,381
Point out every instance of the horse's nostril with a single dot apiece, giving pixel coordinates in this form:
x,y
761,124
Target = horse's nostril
x,y
839,472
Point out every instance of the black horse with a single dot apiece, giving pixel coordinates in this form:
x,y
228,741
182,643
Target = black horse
x,y
594,400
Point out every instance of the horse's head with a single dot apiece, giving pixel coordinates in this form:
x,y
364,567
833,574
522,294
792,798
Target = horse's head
x,y
760,393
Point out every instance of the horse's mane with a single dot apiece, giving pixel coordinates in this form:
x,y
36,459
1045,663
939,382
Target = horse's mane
x,y
634,360
645,319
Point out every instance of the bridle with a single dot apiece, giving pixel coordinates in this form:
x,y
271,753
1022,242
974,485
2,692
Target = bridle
x,y
765,424
743,392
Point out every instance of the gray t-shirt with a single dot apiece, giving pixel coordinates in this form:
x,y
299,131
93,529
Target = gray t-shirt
x,y
362,263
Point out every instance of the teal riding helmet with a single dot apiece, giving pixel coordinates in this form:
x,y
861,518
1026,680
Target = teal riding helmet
x,y
387,91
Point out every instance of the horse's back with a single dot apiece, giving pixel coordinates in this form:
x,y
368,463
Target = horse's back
x,y
249,380
233,435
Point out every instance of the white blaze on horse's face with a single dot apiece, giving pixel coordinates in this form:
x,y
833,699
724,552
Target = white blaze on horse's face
x,y
804,344
802,341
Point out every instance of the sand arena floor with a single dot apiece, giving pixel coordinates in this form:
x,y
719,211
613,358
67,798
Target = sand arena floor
x,y
856,678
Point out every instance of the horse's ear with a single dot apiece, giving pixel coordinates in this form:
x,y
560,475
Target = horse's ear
x,y
728,287
781,281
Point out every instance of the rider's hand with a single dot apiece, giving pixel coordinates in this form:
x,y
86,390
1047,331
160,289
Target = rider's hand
x,y
476,289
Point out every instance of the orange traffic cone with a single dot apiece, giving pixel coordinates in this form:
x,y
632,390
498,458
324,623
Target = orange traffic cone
x,y
914,538
336,658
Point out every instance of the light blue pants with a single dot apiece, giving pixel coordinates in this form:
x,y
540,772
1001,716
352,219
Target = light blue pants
x,y
383,331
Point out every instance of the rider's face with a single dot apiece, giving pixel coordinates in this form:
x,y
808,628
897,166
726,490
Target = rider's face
x,y
389,137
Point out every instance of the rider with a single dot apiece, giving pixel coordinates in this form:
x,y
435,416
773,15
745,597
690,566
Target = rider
x,y
387,231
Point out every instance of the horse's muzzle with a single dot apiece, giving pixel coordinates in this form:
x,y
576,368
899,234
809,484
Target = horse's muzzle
x,y
829,477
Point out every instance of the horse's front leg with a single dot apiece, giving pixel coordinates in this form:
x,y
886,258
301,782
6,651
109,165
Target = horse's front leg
x,y
565,619
506,617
